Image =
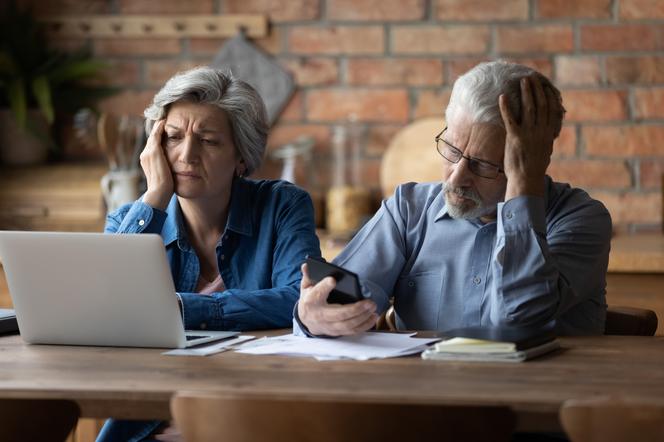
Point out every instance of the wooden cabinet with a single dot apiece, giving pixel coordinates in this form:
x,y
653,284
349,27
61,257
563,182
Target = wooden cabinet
x,y
63,197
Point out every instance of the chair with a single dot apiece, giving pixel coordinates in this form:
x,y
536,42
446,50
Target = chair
x,y
33,420
612,420
207,418
630,321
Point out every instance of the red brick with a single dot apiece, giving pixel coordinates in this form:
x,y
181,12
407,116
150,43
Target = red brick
x,y
593,105
277,10
121,73
623,140
380,105
641,9
67,44
395,71
541,38
481,10
635,70
287,133
345,40
159,72
440,40
313,71
432,104
577,71
293,110
652,171
591,173
136,46
632,207
541,65
459,66
166,7
210,46
573,8
379,138
378,10
649,103
131,102
618,37
565,144
67,7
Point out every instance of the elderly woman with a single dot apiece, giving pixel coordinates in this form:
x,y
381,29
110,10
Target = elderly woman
x,y
235,245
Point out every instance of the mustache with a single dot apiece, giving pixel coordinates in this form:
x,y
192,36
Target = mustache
x,y
463,192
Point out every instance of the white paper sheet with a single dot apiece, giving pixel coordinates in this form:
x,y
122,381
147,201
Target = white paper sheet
x,y
369,345
211,349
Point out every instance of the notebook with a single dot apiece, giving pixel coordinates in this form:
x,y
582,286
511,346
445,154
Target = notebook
x,y
510,344
95,289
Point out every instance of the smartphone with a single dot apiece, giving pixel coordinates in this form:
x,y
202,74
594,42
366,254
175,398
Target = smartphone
x,y
347,289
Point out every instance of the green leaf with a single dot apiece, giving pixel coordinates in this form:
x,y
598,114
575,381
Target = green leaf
x,y
18,101
42,92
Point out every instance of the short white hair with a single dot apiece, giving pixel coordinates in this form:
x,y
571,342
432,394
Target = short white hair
x,y
475,93
243,106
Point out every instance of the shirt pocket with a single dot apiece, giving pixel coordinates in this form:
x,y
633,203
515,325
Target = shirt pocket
x,y
417,300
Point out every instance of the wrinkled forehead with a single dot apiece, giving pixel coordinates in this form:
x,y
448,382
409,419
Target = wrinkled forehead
x,y
480,140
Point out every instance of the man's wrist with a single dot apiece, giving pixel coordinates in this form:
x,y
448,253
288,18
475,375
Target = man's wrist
x,y
524,187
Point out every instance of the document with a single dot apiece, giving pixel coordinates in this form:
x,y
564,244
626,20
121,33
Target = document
x,y
209,349
362,347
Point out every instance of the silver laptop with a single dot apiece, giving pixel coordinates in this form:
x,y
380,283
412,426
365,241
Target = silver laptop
x,y
95,289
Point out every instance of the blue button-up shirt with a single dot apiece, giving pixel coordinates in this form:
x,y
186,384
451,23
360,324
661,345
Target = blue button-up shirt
x,y
543,261
269,232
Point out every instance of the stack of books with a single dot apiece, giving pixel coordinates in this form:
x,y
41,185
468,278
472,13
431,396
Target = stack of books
x,y
504,344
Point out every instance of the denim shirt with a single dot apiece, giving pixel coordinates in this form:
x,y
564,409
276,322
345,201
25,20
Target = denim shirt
x,y
270,231
542,262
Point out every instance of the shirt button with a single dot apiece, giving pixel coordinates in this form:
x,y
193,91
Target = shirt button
x,y
477,280
141,222
203,325
411,283
222,257
509,215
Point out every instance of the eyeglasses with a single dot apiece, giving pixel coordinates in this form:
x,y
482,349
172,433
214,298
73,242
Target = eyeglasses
x,y
481,168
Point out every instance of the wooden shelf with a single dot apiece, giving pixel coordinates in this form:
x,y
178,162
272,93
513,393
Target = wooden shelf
x,y
128,26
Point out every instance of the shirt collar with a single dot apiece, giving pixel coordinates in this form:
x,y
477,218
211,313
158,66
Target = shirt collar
x,y
239,215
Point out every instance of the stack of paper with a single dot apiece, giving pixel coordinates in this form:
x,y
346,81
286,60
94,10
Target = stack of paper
x,y
498,344
370,345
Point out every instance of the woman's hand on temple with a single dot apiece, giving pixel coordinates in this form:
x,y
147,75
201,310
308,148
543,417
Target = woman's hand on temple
x,y
157,171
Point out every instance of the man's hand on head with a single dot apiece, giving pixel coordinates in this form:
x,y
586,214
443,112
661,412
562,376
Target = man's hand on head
x,y
322,318
529,143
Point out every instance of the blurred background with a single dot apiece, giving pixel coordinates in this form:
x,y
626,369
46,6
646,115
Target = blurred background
x,y
385,63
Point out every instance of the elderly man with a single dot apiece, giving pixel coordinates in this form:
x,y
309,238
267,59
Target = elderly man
x,y
496,243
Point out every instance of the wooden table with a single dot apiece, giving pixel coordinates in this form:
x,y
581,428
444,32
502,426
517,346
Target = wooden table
x,y
138,383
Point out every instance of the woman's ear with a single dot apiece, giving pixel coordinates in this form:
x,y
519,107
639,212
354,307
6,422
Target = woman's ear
x,y
240,168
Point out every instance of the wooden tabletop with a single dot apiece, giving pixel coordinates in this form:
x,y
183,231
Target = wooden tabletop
x,y
639,253
138,383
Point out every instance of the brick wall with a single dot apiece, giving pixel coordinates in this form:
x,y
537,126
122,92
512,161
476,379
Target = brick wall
x,y
391,61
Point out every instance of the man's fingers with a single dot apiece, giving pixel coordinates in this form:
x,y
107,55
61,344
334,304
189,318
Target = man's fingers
x,y
508,118
542,106
527,105
340,313
553,115
305,282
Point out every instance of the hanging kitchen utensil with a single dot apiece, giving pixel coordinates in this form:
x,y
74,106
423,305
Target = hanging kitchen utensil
x,y
274,84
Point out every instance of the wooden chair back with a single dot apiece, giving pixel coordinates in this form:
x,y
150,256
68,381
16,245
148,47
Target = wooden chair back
x,y
612,420
630,321
36,420
208,418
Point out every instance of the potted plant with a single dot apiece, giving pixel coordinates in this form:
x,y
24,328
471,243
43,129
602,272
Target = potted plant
x,y
37,84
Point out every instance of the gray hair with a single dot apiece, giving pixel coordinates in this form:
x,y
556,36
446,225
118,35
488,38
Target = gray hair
x,y
475,93
241,103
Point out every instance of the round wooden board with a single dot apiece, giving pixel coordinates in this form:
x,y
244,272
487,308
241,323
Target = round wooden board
x,y
412,156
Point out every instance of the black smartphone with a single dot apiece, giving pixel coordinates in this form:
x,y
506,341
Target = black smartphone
x,y
347,289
